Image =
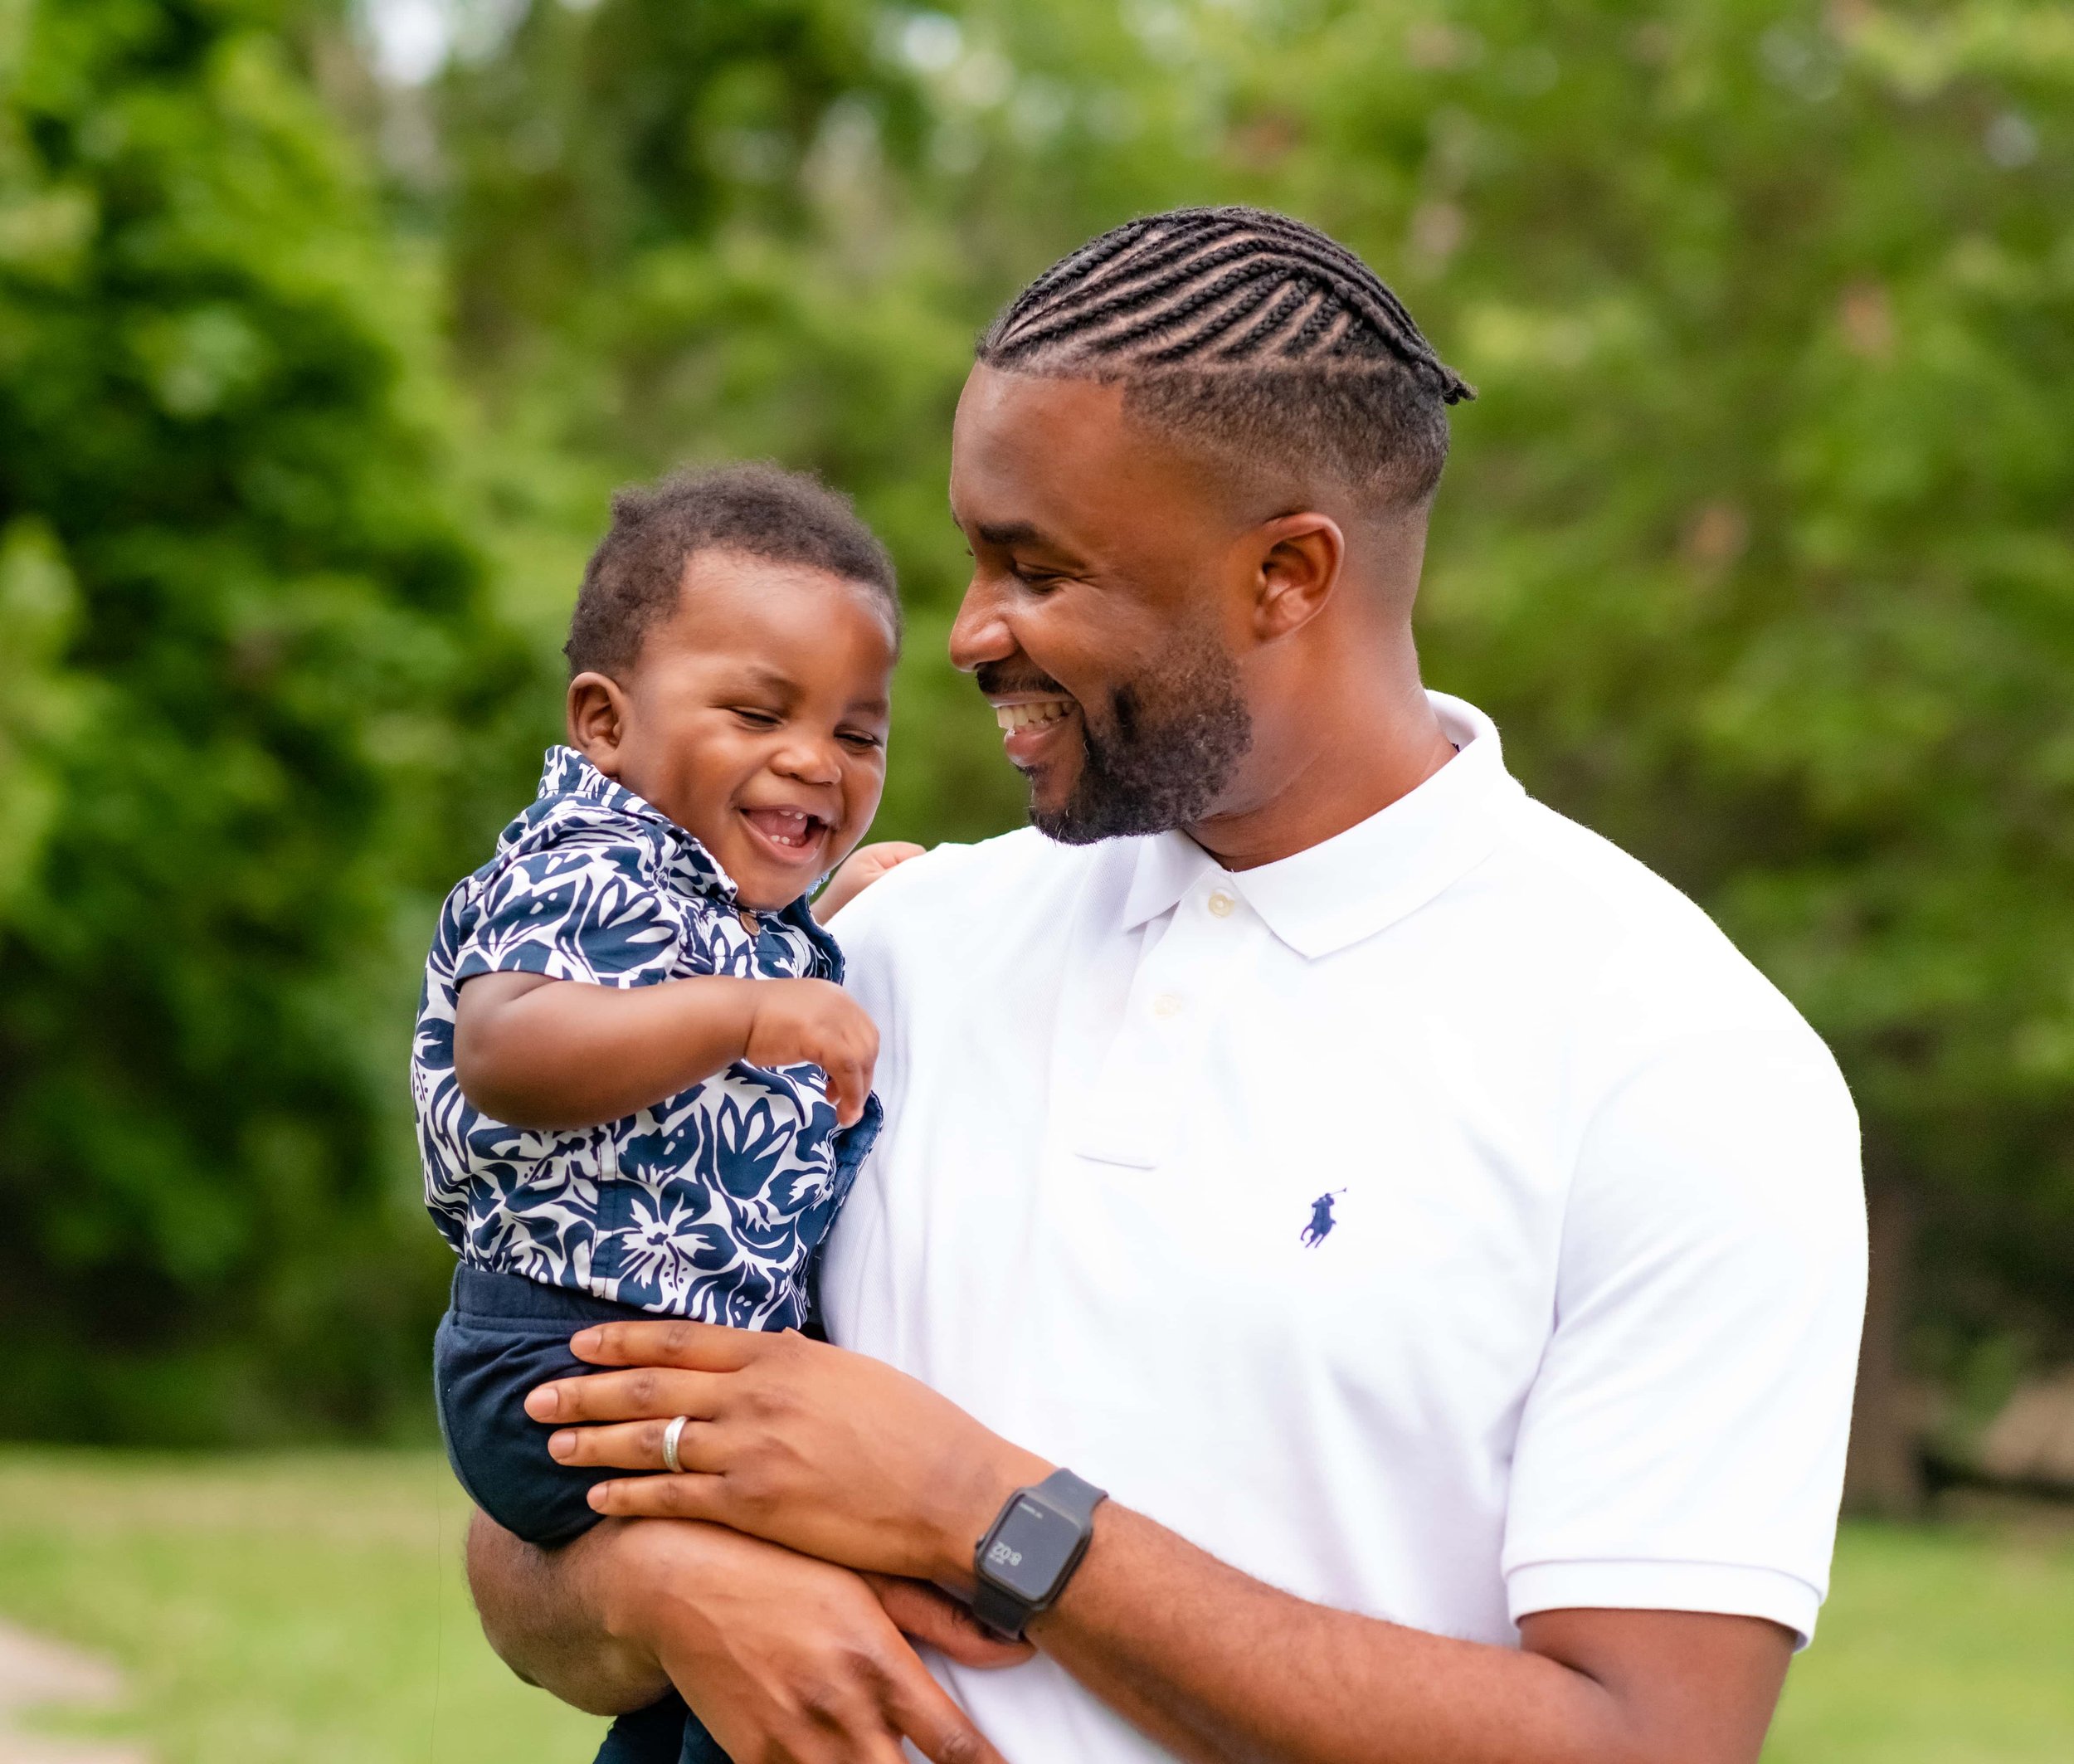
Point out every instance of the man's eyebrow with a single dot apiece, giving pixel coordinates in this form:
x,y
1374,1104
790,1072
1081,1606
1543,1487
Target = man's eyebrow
x,y
1012,533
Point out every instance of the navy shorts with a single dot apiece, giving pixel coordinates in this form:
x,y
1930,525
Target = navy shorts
x,y
502,1335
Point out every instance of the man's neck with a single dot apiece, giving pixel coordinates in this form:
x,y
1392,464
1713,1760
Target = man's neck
x,y
1343,757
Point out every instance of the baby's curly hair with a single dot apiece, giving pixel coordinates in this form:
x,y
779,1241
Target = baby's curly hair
x,y
637,572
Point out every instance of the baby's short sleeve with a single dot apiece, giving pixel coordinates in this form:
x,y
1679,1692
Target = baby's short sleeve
x,y
586,908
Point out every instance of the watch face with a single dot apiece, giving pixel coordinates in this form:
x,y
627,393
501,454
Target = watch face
x,y
1030,1549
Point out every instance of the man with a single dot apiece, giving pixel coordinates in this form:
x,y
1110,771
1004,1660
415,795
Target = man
x,y
1444,1247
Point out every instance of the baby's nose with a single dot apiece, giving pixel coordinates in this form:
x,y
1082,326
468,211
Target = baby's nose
x,y
810,762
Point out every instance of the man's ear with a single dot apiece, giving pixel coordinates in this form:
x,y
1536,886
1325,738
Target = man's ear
x,y
597,720
1300,558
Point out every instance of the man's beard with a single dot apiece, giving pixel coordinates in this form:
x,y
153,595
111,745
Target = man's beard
x,y
1175,734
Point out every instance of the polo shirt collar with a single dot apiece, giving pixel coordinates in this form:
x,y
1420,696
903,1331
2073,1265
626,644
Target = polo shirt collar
x,y
1378,871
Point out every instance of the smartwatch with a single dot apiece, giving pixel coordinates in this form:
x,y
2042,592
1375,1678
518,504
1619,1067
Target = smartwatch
x,y
1030,1550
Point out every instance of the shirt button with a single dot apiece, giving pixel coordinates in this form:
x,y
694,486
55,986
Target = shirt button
x,y
1168,1004
1221,905
749,922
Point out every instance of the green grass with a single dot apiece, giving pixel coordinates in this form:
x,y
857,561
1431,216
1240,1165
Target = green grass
x,y
1951,1645
311,1610
273,1611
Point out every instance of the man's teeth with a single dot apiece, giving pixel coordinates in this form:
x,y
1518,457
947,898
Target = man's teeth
x,y
1013,717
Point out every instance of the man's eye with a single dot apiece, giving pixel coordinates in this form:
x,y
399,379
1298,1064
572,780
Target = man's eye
x,y
1038,581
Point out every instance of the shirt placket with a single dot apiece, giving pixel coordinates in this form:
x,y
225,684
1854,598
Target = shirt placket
x,y
1139,1095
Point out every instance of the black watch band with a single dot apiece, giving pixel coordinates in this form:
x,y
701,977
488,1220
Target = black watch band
x,y
1030,1552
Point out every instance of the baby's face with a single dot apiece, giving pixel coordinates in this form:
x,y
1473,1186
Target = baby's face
x,y
755,718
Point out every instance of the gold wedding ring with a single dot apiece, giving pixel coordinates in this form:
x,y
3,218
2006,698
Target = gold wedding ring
x,y
671,1434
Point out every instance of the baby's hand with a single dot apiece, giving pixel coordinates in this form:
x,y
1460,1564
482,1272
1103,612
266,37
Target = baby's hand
x,y
866,864
816,1022
923,1614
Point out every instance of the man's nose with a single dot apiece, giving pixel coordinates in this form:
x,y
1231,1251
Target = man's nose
x,y
980,633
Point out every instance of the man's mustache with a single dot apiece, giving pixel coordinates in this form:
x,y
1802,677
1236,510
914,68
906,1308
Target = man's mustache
x,y
1000,679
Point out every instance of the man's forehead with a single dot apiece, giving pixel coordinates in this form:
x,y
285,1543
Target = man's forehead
x,y
1015,427
990,391
1038,458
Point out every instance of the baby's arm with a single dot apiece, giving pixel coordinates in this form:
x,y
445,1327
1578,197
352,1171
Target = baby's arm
x,y
866,864
543,1053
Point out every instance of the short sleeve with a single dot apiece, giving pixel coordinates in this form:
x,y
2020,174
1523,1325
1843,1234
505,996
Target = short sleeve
x,y
1683,1445
583,909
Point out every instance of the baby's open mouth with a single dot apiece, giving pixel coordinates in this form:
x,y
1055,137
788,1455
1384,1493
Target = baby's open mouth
x,y
788,829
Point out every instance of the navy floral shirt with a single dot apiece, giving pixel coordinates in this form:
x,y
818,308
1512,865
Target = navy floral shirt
x,y
709,1205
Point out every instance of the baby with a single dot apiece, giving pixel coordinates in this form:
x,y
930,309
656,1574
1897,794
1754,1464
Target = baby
x,y
641,1089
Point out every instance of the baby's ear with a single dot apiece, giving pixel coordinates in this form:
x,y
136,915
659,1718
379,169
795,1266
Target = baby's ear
x,y
597,719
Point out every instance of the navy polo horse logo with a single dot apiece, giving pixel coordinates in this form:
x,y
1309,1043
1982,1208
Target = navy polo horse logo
x,y
1321,1220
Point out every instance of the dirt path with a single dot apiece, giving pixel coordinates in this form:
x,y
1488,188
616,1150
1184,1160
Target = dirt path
x,y
40,1674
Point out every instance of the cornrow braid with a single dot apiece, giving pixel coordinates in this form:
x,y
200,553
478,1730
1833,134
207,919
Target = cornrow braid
x,y
1288,299
1253,333
1107,296
1089,308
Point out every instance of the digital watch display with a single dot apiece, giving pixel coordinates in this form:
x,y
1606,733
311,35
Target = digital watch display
x,y
1030,1550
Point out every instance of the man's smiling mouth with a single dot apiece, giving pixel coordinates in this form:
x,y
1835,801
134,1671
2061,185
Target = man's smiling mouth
x,y
1013,717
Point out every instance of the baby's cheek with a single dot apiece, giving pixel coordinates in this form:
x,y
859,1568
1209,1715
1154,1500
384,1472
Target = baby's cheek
x,y
860,800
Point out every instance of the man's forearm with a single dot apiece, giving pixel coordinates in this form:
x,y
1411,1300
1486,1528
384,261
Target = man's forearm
x,y
1222,1668
781,1656
539,1611
841,1456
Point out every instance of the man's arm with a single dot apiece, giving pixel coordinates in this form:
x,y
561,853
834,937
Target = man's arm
x,y
541,1612
1219,1667
783,1659
845,1458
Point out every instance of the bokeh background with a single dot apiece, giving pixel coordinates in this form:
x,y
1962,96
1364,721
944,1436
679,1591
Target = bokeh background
x,y
326,332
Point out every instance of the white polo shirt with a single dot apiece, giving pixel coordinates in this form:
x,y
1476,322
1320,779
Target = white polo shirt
x,y
1445,1223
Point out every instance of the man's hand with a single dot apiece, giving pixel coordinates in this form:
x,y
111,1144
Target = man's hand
x,y
843,1457
932,1617
816,1022
828,1452
865,867
785,1659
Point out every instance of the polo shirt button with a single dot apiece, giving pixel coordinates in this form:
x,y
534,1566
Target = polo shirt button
x,y
1221,905
1168,1004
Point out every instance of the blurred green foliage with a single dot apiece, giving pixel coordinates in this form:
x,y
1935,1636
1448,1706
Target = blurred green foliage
x,y
1759,543
247,647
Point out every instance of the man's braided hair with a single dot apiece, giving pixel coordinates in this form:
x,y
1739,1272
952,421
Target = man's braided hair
x,y
1255,337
